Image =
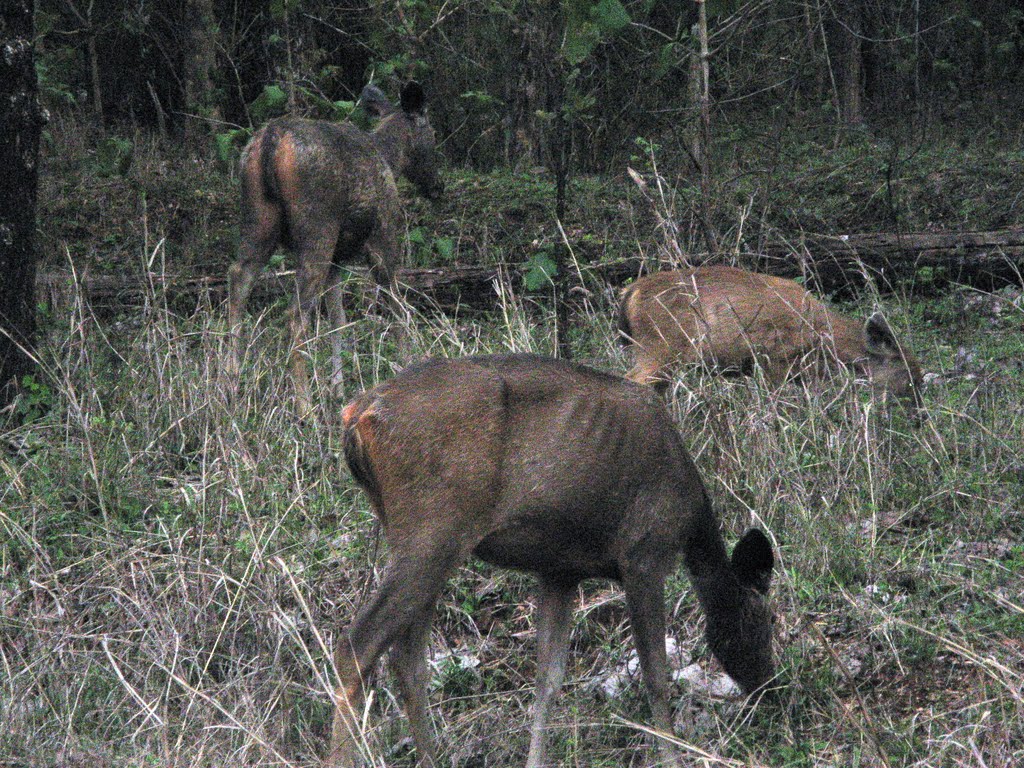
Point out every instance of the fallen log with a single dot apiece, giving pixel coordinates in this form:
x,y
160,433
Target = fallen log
x,y
922,261
471,284
919,262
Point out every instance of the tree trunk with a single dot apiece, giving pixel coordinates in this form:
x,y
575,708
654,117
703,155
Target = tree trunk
x,y
281,52
844,29
812,26
88,29
293,99
20,125
917,58
702,146
560,150
524,90
200,61
94,75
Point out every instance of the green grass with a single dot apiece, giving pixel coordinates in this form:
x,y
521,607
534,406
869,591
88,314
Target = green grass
x,y
174,565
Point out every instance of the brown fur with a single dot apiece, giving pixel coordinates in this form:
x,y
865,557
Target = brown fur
x,y
328,192
731,320
542,466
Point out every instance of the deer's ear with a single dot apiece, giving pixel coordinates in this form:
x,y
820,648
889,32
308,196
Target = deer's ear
x,y
753,560
413,98
373,100
881,340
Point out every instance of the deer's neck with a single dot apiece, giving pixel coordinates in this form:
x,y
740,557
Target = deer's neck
x,y
847,336
713,580
391,135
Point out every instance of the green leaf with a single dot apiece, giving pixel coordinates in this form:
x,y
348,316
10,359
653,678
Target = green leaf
x,y
229,142
610,16
277,8
445,247
225,143
270,103
540,269
579,42
667,59
482,98
343,108
588,23
581,103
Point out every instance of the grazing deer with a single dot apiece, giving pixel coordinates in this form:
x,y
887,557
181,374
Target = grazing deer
x,y
543,466
328,192
730,320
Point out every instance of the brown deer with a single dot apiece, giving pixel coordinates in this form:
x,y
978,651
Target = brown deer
x,y
328,192
729,320
543,466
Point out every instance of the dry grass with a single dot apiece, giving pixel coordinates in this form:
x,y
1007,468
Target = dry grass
x,y
175,566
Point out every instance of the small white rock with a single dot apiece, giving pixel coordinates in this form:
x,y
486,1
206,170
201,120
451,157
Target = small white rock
x,y
463,660
718,686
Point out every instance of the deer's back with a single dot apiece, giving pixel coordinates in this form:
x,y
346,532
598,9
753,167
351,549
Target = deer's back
x,y
319,170
551,464
723,315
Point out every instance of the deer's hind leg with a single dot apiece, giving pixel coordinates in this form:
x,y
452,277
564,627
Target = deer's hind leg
x,y
384,253
260,232
341,338
409,661
314,243
398,616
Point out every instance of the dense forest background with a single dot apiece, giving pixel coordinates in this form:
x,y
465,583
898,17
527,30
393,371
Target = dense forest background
x,y
499,69
768,122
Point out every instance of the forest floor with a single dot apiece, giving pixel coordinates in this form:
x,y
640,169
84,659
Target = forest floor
x,y
175,564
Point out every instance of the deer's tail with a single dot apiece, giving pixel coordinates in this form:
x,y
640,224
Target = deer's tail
x,y
257,167
359,422
268,151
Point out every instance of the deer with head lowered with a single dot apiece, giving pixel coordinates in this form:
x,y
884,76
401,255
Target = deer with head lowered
x,y
328,192
547,467
729,320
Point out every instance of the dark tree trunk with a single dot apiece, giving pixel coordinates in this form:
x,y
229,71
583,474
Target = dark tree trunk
x,y
815,88
702,136
200,60
524,90
844,31
282,53
87,27
559,145
20,124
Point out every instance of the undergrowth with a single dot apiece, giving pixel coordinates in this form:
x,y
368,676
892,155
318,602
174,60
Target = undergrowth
x,y
771,184
175,564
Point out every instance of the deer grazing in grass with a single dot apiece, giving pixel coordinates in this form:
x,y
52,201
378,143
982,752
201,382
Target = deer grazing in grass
x,y
328,192
729,319
543,466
